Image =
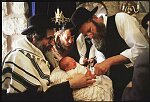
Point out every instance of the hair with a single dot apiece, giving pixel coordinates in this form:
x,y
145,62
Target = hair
x,y
63,63
38,34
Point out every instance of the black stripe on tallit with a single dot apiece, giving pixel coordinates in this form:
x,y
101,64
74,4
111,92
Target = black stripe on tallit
x,y
22,70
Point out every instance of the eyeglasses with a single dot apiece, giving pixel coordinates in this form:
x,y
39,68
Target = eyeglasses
x,y
50,38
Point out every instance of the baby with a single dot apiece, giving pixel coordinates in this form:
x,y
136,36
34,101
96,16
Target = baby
x,y
69,65
101,90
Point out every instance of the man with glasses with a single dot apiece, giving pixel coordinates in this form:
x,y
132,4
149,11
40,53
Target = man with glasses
x,y
26,72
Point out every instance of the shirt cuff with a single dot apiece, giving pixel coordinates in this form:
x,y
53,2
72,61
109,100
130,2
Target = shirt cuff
x,y
129,54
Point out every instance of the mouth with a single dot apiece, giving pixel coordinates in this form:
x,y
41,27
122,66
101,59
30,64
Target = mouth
x,y
68,45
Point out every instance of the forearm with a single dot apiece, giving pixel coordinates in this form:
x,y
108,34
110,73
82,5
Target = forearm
x,y
118,59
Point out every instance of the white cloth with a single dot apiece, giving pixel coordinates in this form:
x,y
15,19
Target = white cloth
x,y
101,90
20,72
128,28
94,53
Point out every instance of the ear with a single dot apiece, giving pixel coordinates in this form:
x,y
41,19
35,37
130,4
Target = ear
x,y
33,38
97,19
94,17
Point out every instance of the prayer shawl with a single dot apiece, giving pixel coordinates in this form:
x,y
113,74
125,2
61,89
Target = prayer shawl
x,y
25,67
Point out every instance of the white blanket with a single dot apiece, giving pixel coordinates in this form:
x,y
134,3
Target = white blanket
x,y
101,90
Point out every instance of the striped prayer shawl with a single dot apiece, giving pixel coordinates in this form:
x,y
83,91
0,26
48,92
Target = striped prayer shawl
x,y
23,69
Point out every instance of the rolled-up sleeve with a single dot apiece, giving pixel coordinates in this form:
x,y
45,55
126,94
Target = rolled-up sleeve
x,y
128,28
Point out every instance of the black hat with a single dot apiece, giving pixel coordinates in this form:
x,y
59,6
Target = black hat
x,y
81,15
145,20
67,25
38,23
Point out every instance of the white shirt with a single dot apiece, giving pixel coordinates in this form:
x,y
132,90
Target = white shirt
x,y
94,53
128,28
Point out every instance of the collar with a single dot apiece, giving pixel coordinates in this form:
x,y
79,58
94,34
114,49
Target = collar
x,y
105,19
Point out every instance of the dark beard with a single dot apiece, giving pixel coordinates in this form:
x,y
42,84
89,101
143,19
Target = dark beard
x,y
99,36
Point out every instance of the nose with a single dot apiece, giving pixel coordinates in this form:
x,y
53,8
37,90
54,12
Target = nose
x,y
90,35
70,41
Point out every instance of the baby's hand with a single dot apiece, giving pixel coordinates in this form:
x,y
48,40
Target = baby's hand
x,y
89,73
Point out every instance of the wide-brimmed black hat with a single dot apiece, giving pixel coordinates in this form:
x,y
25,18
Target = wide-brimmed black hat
x,y
38,23
81,15
145,20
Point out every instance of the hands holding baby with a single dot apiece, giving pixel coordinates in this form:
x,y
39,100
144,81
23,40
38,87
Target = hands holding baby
x,y
81,81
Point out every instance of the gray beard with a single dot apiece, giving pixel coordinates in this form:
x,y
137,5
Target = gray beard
x,y
42,47
99,43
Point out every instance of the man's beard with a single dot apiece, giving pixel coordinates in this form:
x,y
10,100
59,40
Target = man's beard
x,y
99,36
42,47
66,48
61,48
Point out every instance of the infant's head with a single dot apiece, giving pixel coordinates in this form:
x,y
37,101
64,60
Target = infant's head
x,y
67,63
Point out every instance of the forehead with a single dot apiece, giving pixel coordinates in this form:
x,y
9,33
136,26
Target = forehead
x,y
69,59
85,27
67,33
50,32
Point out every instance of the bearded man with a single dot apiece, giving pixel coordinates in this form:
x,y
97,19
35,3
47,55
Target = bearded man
x,y
26,72
65,41
118,37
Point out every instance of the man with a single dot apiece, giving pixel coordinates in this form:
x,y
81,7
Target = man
x,y
146,24
118,37
26,72
65,41
139,90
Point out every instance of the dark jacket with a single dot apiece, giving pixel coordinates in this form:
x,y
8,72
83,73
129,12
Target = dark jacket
x,y
114,45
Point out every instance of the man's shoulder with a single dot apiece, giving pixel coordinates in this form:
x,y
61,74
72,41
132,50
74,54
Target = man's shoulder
x,y
15,53
122,14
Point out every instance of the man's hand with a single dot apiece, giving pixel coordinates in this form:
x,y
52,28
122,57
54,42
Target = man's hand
x,y
102,68
85,61
80,81
89,73
92,62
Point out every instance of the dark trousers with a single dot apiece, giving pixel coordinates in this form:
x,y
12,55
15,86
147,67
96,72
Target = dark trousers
x,y
120,76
